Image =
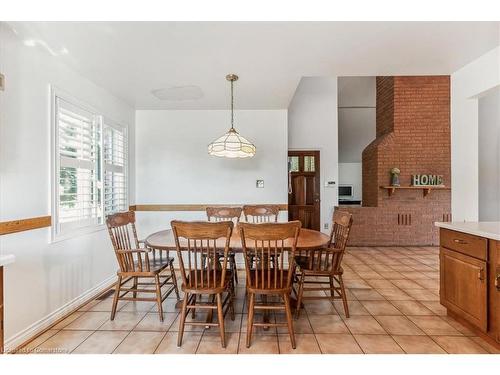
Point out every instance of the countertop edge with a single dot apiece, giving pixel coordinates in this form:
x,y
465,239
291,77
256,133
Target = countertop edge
x,y
465,227
6,259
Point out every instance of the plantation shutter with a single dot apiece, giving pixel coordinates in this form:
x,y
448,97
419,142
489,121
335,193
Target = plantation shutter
x,y
78,152
115,177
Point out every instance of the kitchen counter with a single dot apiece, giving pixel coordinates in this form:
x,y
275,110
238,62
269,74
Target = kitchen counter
x,y
486,229
6,259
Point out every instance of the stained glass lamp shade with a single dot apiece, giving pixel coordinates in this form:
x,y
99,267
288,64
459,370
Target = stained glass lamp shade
x,y
232,144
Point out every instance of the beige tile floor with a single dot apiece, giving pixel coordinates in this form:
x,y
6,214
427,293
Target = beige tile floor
x,y
394,306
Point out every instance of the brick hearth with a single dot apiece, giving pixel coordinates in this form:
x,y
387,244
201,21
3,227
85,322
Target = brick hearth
x,y
413,134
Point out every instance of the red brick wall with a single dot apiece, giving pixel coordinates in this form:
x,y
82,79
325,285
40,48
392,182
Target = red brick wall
x,y
413,134
385,105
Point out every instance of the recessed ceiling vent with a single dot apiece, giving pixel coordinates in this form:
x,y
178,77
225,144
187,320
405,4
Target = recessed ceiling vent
x,y
190,92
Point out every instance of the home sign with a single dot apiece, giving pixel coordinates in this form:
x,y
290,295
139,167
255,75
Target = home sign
x,y
426,179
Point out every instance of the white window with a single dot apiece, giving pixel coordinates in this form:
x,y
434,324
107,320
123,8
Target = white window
x,y
115,166
89,170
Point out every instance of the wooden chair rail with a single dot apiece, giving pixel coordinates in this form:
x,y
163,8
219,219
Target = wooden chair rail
x,y
189,207
21,225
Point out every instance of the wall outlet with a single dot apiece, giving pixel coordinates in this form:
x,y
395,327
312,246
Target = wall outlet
x,y
326,226
259,184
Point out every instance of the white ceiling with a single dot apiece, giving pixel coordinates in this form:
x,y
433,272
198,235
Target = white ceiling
x,y
130,59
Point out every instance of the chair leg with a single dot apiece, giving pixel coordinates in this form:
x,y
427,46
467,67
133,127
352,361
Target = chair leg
x,y
251,307
158,297
266,312
115,297
332,288
193,310
174,280
210,314
134,294
344,297
234,268
231,301
220,316
299,297
183,319
289,320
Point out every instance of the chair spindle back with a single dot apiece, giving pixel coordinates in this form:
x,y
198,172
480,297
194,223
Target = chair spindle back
x,y
123,235
224,214
267,243
330,259
261,213
197,240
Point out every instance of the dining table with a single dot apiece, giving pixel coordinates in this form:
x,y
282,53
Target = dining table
x,y
309,239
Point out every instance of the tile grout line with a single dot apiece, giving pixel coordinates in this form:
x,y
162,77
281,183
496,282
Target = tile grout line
x,y
312,328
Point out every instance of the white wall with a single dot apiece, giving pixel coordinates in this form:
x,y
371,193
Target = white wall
x,y
467,84
357,127
173,165
46,276
312,125
489,163
357,91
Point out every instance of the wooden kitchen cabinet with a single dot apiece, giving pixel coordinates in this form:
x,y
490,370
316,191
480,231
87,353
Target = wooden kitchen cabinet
x,y
1,310
494,292
470,280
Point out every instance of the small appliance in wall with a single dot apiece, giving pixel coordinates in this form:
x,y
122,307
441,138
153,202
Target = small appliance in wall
x,y
345,192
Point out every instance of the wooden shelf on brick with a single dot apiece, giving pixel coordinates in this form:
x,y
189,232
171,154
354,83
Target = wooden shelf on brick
x,y
425,189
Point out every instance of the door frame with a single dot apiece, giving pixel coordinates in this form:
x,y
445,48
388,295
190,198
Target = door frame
x,y
317,171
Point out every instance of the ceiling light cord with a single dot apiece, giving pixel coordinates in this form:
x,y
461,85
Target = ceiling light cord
x,y
232,106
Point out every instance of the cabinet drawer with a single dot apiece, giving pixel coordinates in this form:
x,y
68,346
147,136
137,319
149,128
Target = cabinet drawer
x,y
464,243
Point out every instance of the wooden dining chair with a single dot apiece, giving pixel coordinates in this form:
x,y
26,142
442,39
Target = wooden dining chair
x,y
265,277
322,264
261,213
195,240
233,214
135,263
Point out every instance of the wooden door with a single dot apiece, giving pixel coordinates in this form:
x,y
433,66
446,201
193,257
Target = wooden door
x,y
464,287
304,188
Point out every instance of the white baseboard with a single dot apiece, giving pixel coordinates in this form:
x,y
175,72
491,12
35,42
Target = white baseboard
x,y
36,328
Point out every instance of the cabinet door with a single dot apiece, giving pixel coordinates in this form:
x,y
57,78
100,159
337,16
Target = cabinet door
x,y
1,310
464,287
496,295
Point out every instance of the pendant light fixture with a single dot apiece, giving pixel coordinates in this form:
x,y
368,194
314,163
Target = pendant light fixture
x,y
231,144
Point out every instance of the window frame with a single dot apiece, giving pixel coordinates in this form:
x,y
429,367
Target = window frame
x,y
57,93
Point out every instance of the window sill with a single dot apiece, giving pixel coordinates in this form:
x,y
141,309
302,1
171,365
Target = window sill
x,y
76,233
